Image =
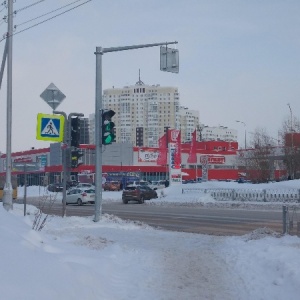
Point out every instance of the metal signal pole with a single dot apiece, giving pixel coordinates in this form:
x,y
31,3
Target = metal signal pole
x,y
98,112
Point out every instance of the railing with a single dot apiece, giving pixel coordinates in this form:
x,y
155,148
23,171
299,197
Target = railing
x,y
290,213
255,195
291,220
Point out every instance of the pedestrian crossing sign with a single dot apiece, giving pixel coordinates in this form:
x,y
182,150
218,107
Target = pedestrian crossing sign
x,y
50,127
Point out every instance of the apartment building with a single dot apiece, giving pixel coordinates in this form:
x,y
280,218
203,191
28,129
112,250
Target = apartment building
x,y
142,112
220,133
189,121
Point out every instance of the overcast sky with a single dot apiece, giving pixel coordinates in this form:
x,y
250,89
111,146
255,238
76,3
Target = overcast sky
x,y
239,60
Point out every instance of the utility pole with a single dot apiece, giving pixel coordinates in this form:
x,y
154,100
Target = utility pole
x,y
7,191
292,141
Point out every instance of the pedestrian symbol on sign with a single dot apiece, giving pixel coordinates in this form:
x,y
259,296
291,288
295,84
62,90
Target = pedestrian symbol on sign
x,y
50,127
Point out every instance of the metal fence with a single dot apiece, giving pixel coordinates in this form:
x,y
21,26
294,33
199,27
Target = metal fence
x,y
255,195
291,220
290,197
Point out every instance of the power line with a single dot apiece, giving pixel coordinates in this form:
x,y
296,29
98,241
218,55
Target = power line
x,y
47,19
28,6
4,4
48,13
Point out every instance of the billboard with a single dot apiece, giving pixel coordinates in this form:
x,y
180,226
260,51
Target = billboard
x,y
148,154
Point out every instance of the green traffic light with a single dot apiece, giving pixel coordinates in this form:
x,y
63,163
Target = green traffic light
x,y
108,139
107,127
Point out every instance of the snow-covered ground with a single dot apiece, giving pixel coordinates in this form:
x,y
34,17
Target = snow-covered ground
x,y
76,258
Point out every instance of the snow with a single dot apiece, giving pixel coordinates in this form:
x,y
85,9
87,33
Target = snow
x,y
76,258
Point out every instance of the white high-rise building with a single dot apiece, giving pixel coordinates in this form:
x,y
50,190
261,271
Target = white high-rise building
x,y
92,128
189,121
220,133
142,112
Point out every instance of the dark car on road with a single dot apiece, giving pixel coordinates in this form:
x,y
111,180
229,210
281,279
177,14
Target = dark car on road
x,y
55,187
138,193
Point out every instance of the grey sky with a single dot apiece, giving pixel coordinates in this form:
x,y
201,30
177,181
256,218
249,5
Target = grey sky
x,y
239,60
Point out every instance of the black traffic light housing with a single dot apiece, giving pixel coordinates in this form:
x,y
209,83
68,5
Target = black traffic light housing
x,y
75,158
75,132
108,134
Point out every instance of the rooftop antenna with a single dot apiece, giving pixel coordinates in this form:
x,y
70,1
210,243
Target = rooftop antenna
x,y
140,82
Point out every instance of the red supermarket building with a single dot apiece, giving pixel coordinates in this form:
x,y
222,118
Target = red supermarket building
x,y
126,158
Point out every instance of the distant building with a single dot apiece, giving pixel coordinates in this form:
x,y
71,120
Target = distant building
x,y
220,133
92,128
189,121
84,131
142,112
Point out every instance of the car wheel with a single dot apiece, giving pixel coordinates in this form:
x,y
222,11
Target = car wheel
x,y
125,201
142,200
79,202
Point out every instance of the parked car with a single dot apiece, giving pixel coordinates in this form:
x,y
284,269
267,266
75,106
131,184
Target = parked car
x,y
241,180
190,181
155,185
138,193
135,183
112,186
55,187
85,185
80,196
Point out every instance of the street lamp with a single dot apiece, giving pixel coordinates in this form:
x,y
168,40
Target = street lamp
x,y
292,130
245,132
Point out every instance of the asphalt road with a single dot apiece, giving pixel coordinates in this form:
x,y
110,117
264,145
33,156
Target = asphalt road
x,y
214,221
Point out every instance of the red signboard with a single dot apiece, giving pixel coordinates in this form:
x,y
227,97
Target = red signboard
x,y
213,159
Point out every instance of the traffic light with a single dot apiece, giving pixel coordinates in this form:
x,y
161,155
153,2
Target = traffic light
x,y
108,135
75,158
75,132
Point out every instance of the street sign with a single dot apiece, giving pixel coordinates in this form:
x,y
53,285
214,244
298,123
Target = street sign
x,y
53,96
50,127
169,59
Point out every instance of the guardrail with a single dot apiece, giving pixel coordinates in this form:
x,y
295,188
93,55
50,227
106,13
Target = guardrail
x,y
255,195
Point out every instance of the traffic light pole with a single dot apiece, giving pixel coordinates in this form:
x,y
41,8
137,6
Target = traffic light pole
x,y
98,118
64,159
66,153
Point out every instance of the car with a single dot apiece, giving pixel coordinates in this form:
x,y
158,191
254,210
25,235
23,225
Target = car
x,y
155,185
112,186
55,187
140,182
190,181
85,185
80,196
138,193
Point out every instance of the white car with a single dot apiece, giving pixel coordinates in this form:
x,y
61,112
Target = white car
x,y
80,196
83,185
155,185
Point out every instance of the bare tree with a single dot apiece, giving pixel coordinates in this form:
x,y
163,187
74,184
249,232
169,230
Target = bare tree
x,y
258,162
